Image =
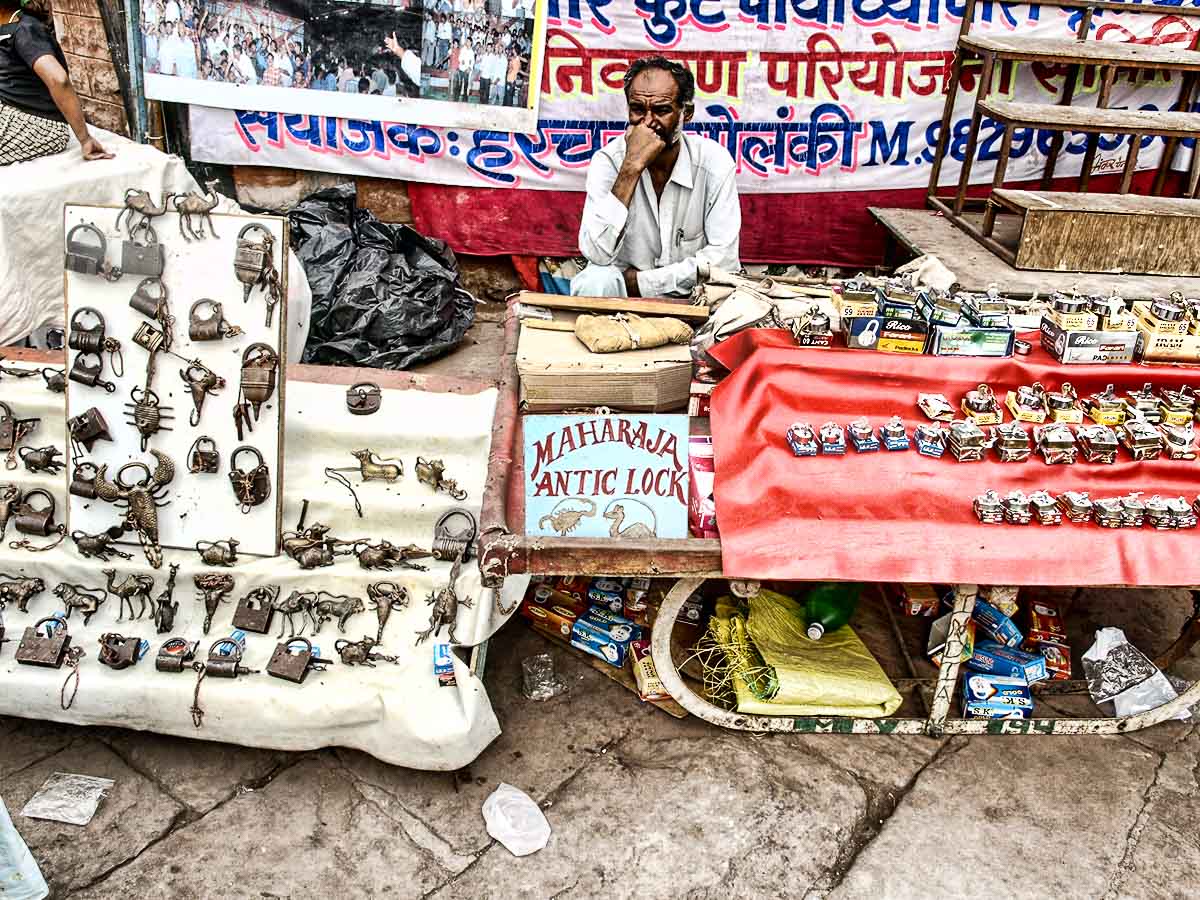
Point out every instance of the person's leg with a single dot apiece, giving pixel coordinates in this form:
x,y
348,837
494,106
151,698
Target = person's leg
x,y
599,281
24,137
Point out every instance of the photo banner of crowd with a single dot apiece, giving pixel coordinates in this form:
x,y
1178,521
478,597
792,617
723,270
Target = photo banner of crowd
x,y
465,63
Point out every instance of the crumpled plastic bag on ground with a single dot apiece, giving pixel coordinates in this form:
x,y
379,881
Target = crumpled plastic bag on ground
x,y
20,877
515,820
541,681
1119,672
384,296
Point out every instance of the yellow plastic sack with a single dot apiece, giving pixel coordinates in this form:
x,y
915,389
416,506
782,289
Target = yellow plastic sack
x,y
835,676
611,334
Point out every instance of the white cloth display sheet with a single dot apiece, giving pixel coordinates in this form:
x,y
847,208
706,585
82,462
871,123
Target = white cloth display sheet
x,y
398,713
31,235
201,269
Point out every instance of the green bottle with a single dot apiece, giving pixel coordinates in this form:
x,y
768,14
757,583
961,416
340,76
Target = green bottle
x,y
829,606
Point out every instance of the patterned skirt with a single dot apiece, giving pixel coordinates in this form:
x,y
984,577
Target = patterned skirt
x,y
25,136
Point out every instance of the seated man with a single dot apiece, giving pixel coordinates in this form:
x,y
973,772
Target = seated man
x,y
662,206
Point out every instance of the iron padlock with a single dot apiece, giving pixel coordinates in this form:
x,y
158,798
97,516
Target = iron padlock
x,y
259,365
145,302
88,374
87,338
451,543
252,487
176,654
255,611
251,260
212,327
56,382
221,666
47,651
204,458
87,428
38,522
119,652
295,664
149,338
8,428
363,399
85,257
142,254
83,481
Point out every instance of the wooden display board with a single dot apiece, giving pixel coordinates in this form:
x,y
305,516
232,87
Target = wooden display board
x,y
202,507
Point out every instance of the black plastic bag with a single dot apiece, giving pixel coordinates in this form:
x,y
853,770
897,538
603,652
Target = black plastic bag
x,y
384,296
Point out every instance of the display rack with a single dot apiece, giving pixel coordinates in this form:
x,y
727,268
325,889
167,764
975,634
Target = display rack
x,y
505,549
1109,58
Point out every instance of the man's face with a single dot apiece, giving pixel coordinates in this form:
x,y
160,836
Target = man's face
x,y
654,100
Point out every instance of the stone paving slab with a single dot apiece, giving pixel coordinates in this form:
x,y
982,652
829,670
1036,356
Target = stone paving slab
x,y
542,743
308,834
135,814
1051,814
675,817
25,741
199,774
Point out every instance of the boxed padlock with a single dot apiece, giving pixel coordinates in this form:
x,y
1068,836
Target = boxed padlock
x,y
1073,347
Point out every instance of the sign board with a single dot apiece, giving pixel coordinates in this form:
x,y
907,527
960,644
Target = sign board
x,y
617,476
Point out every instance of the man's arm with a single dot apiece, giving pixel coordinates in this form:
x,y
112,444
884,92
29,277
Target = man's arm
x,y
58,82
722,230
610,190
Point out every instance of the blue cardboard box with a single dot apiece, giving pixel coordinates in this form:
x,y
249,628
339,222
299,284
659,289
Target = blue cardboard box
x,y
996,625
996,697
996,659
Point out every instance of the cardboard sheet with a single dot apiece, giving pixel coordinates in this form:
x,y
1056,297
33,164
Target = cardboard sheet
x,y
399,713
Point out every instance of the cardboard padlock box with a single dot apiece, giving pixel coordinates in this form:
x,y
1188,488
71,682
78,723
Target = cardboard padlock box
x,y
1170,347
1152,324
1088,347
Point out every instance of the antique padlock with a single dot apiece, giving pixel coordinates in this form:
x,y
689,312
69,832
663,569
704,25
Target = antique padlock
x,y
363,398
56,381
259,365
149,338
30,520
94,338
146,300
88,373
294,659
147,414
255,611
83,480
450,543
46,650
204,458
86,256
142,254
8,428
251,487
87,428
226,664
212,327
118,651
254,266
176,654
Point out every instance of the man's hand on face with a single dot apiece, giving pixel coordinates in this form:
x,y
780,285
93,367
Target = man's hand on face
x,y
631,282
642,144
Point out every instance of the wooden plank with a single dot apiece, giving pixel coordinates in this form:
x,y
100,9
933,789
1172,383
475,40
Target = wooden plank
x,y
548,325
1064,241
923,231
1113,204
1093,121
680,310
1125,55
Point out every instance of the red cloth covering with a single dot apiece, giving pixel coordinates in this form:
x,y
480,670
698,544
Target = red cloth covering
x,y
903,517
831,228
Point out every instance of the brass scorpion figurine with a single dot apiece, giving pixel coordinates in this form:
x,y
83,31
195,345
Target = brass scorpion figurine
x,y
141,500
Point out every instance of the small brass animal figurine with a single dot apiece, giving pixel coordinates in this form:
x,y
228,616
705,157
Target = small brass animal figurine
x,y
381,470
43,459
213,588
432,472
385,555
99,546
86,600
19,590
445,608
218,553
141,500
130,588
359,653
334,606
140,208
197,205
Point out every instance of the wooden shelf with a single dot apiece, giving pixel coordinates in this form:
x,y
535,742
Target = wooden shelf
x,y
1109,204
1114,53
1093,121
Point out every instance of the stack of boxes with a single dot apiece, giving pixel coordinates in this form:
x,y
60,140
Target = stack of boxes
x,y
1169,328
894,316
1089,330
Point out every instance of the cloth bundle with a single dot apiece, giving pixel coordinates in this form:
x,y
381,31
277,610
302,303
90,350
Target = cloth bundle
x,y
612,334
774,669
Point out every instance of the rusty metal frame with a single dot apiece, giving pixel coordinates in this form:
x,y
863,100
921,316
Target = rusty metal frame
x,y
937,724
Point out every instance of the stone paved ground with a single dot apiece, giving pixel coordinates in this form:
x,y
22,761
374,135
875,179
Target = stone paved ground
x,y
641,805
